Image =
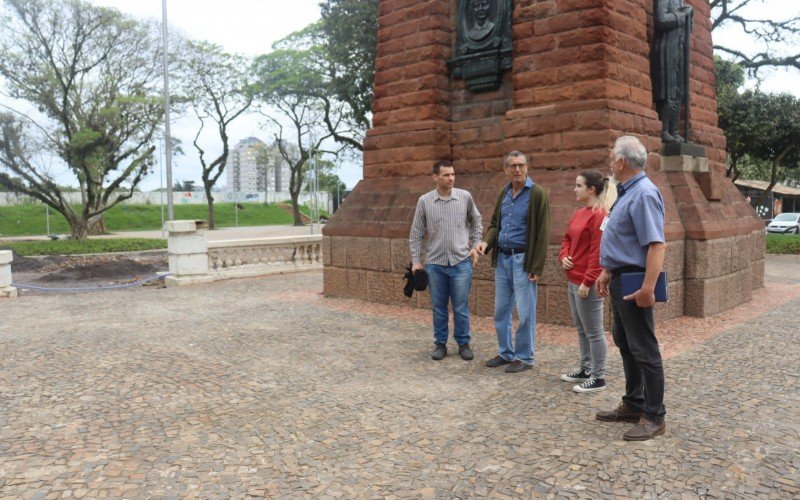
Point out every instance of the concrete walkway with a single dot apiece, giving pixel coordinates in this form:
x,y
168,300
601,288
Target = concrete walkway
x,y
227,233
263,387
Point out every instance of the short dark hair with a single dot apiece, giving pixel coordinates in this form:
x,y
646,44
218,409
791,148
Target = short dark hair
x,y
441,163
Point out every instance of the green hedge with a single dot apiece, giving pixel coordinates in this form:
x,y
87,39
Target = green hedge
x,y
30,219
71,247
783,243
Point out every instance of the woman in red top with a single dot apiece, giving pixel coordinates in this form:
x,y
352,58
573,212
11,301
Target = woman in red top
x,y
580,258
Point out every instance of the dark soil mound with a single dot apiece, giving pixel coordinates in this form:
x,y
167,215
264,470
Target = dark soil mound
x,y
22,264
116,269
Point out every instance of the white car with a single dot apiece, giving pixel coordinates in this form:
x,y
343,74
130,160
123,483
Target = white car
x,y
787,222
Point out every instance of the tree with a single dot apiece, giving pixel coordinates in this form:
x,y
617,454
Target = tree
x,y
756,169
183,186
88,77
759,127
266,165
329,182
298,141
736,116
326,179
218,88
769,32
780,143
288,82
350,29
305,65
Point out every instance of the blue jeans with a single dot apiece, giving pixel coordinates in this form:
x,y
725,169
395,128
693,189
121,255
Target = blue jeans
x,y
512,286
450,284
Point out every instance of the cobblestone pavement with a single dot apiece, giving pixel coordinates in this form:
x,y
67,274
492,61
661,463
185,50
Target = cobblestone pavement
x,y
262,387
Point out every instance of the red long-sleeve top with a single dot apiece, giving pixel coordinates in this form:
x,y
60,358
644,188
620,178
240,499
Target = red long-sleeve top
x,y
582,243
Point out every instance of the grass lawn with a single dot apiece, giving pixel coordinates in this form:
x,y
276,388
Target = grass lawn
x,y
27,220
783,243
71,247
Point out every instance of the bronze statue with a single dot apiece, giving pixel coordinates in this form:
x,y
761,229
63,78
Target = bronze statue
x,y
670,65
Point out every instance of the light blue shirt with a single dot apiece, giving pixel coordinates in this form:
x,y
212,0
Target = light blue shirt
x,y
514,217
635,221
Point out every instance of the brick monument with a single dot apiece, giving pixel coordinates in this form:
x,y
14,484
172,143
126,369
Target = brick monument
x,y
575,76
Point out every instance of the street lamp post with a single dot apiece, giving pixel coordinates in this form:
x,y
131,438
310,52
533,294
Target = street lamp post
x,y
167,137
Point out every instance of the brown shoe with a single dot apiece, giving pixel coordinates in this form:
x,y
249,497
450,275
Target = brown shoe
x,y
619,414
517,366
497,361
644,430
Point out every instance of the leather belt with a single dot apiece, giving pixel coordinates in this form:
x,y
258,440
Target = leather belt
x,y
626,269
512,251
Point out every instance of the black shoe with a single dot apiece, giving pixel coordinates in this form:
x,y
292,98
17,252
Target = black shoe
x,y
517,366
439,353
497,361
465,351
577,376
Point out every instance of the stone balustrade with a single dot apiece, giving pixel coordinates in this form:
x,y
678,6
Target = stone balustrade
x,y
255,257
6,290
193,259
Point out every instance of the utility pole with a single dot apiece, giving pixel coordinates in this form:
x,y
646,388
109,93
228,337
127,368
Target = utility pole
x,y
167,137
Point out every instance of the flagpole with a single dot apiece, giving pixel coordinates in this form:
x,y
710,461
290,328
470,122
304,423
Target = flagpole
x,y
167,137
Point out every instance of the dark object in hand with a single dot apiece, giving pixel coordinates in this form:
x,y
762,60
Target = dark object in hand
x,y
414,281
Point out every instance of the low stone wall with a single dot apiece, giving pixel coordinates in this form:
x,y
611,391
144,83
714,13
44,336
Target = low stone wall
x,y
6,290
192,259
255,257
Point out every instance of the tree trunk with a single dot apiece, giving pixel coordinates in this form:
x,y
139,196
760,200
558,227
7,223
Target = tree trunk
x,y
80,229
97,225
734,171
210,200
298,219
773,179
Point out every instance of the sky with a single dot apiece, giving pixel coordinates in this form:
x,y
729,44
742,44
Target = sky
x,y
249,27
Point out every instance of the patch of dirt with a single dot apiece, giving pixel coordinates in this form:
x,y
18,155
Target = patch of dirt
x,y
108,270
30,264
90,268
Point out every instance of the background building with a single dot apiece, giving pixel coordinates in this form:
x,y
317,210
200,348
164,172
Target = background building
x,y
256,167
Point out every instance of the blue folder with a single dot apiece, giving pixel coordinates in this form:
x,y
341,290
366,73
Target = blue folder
x,y
631,282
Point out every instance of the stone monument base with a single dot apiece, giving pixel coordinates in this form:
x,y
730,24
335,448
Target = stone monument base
x,y
712,266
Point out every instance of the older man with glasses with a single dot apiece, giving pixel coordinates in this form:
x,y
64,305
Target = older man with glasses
x,y
518,237
633,241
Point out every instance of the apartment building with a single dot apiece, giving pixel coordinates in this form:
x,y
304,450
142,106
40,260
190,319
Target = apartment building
x,y
256,167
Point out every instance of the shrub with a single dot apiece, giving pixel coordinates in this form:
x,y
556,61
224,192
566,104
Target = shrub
x,y
783,243
71,247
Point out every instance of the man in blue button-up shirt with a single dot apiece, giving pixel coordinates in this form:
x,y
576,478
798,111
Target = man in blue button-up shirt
x,y
633,241
518,234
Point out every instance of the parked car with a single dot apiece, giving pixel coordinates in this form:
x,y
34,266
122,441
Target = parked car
x,y
788,222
